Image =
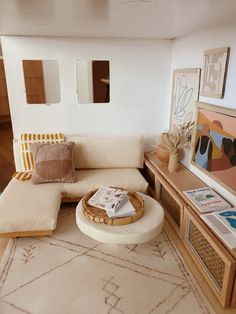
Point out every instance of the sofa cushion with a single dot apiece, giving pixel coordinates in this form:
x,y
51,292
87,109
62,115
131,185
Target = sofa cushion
x,y
29,138
99,152
89,180
25,206
28,207
53,162
108,152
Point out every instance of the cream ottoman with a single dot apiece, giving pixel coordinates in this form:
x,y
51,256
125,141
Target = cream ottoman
x,y
143,230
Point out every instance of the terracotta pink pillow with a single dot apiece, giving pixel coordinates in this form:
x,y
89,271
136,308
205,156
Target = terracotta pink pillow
x,y
53,162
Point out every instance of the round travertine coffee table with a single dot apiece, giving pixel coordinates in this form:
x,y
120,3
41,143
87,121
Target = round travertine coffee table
x,y
140,231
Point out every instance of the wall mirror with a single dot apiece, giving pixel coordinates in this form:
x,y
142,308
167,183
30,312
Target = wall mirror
x,y
93,81
42,85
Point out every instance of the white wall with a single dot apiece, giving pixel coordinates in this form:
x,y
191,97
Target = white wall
x,y
139,90
51,81
84,76
188,53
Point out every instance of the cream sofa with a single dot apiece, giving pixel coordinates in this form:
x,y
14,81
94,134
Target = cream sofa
x,y
27,209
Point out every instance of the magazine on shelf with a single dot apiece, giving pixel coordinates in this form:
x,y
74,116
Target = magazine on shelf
x,y
221,228
228,218
109,199
127,209
207,200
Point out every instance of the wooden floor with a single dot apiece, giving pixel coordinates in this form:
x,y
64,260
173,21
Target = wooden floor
x,y
7,167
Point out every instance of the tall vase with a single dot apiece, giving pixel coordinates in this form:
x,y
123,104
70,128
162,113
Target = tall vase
x,y
173,162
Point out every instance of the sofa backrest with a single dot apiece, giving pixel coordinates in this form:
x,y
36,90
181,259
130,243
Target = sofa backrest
x,y
100,152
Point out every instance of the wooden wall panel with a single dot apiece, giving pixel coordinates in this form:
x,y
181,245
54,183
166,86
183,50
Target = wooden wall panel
x,y
34,81
4,104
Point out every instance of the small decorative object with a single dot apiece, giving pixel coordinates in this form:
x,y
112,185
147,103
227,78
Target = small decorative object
x,y
214,145
214,73
162,154
173,162
184,96
174,141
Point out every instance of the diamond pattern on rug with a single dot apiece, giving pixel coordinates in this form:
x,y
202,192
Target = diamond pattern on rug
x,y
71,273
111,299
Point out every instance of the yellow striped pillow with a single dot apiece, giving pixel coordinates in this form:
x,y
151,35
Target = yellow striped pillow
x,y
22,176
27,138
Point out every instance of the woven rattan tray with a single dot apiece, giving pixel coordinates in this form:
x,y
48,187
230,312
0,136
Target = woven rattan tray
x,y
99,215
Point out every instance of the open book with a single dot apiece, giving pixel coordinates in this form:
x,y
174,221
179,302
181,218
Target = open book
x,y
207,200
224,225
109,199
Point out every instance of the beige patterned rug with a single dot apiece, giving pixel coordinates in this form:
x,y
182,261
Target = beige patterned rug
x,y
70,273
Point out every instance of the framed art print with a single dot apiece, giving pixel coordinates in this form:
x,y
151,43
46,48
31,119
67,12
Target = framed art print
x,y
214,143
185,93
214,72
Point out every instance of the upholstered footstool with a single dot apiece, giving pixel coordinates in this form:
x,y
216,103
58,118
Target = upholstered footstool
x,y
143,230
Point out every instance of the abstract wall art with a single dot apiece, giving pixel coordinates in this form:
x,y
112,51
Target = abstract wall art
x,y
214,72
214,147
184,96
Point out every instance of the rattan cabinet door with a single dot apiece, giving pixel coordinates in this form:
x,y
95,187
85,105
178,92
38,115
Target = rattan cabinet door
x,y
173,206
210,256
162,191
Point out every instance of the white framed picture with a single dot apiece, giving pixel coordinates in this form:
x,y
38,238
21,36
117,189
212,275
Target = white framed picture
x,y
214,72
185,93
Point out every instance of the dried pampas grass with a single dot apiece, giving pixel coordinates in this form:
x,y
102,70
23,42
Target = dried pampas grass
x,y
178,138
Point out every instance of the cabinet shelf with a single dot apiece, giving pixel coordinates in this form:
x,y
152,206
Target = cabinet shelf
x,y
215,261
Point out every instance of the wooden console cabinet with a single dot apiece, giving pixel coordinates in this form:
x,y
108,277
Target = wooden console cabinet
x,y
216,262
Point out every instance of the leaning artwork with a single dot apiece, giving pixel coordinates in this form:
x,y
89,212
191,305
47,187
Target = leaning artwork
x,y
214,149
184,96
214,72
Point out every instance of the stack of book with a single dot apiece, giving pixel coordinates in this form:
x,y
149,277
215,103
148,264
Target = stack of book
x,y
216,213
114,201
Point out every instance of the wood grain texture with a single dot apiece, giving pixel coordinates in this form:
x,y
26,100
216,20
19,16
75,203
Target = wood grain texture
x,y
34,81
36,233
175,184
7,167
181,180
224,295
194,270
233,302
4,104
